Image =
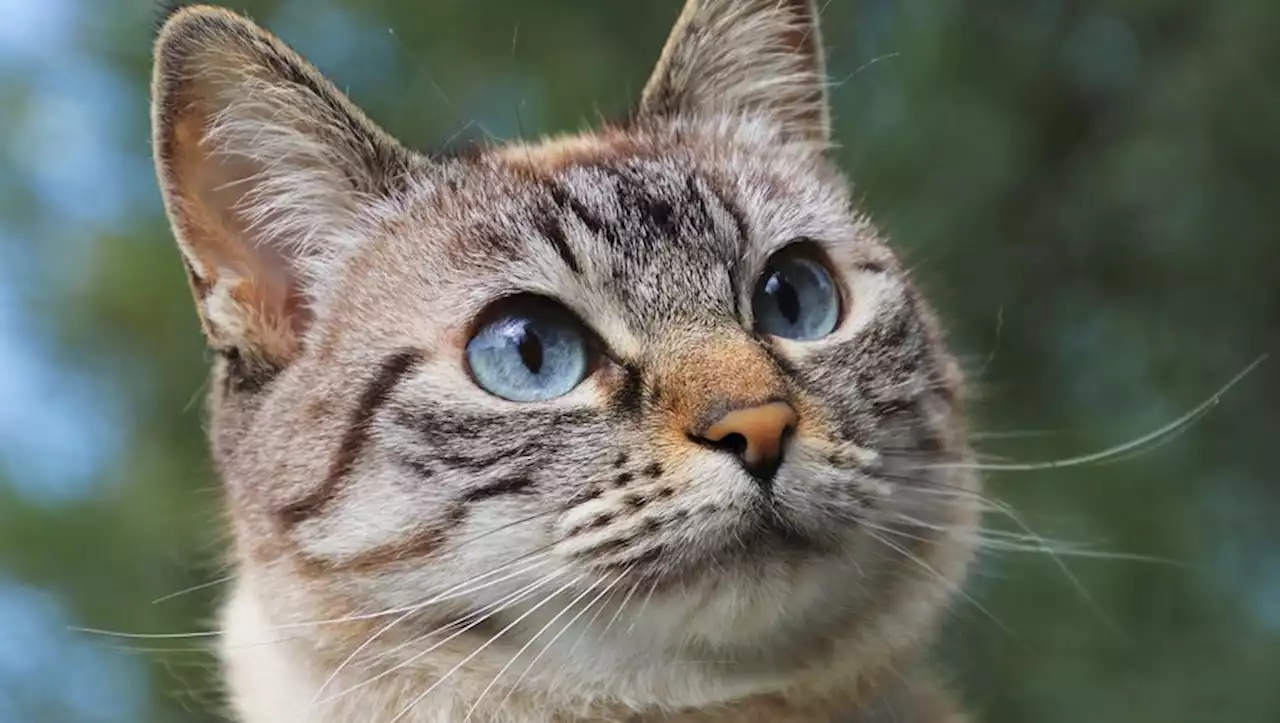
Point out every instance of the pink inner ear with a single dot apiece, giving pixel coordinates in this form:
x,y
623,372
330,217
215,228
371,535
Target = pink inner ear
x,y
259,156
214,190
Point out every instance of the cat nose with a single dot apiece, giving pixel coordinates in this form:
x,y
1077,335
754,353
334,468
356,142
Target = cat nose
x,y
755,435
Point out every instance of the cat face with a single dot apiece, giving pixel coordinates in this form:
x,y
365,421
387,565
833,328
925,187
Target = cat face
x,y
660,385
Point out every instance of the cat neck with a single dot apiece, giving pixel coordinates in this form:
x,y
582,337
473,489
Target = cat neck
x,y
273,675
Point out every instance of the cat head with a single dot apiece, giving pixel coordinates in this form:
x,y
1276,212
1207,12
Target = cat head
x,y
664,371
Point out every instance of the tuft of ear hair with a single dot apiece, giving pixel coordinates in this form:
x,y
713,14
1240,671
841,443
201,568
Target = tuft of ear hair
x,y
162,10
760,58
264,167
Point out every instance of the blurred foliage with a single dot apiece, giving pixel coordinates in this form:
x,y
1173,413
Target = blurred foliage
x,y
1089,191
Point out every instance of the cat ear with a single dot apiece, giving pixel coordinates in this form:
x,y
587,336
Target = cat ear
x,y
263,165
745,57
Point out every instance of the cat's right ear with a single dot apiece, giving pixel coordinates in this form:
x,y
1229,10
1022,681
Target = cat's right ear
x,y
761,58
264,166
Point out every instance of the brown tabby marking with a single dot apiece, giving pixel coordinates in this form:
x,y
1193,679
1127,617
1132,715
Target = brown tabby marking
x,y
395,367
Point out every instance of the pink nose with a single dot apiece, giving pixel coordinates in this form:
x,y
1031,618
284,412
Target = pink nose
x,y
755,435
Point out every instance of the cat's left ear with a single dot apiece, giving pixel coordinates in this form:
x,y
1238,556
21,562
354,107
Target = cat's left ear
x,y
267,171
759,58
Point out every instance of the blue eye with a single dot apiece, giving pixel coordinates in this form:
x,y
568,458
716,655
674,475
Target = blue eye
x,y
796,297
531,350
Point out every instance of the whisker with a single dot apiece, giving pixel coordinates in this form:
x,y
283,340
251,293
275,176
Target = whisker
x,y
144,636
1111,453
569,655
300,625
643,604
618,613
590,623
479,617
194,588
531,641
1042,545
470,619
896,532
413,610
950,584
413,703
1017,434
1010,541
504,526
1054,550
924,486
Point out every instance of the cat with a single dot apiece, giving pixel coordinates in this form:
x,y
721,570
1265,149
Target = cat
x,y
639,424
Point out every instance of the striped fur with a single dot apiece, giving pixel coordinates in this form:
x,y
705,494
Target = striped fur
x,y
340,275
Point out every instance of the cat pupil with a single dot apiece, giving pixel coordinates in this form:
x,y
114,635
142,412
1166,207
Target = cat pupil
x,y
530,347
531,355
785,296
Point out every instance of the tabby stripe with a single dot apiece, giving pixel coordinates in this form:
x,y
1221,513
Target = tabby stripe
x,y
425,540
567,202
731,210
552,229
422,542
695,199
521,485
630,393
655,214
394,368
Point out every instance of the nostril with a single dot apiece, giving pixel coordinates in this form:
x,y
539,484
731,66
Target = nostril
x,y
764,470
734,443
755,435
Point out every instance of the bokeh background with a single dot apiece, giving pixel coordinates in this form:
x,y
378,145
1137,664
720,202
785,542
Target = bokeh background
x,y
1089,191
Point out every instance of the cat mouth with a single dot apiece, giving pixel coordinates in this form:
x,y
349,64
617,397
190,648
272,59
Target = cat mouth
x,y
770,531
761,536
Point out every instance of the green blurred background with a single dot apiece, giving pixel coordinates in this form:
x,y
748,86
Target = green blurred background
x,y
1089,191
